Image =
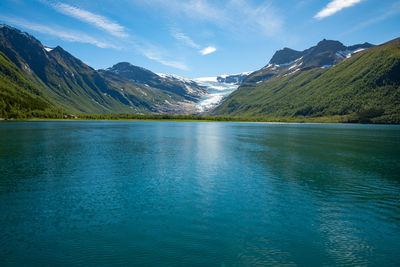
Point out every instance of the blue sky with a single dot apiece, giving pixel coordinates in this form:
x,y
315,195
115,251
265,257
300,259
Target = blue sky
x,y
197,38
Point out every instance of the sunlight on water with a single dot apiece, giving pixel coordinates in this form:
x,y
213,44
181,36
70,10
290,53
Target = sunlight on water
x,y
199,194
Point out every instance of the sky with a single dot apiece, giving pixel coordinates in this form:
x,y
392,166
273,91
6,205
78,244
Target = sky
x,y
198,38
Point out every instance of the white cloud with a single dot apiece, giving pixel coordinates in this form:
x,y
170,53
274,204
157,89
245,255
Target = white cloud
x,y
335,6
208,50
96,20
180,36
64,34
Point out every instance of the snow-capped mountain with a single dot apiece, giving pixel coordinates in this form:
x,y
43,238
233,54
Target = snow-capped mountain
x,y
233,78
325,54
178,85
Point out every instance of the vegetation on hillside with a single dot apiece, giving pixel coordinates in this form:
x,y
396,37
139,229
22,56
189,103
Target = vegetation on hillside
x,y
20,98
363,88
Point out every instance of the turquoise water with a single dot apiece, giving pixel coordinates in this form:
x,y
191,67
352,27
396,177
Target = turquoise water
x,y
199,194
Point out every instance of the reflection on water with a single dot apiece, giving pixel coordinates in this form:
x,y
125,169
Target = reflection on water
x,y
177,193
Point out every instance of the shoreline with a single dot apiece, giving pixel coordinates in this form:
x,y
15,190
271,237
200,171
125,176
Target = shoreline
x,y
256,121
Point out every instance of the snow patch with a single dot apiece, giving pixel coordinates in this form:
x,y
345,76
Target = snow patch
x,y
48,49
291,62
206,79
176,77
295,66
296,70
348,53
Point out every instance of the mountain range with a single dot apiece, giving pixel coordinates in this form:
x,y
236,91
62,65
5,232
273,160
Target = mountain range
x,y
78,88
357,83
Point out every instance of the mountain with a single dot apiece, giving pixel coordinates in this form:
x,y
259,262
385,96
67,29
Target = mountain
x,y
180,86
19,97
59,75
78,88
158,94
233,78
325,54
364,86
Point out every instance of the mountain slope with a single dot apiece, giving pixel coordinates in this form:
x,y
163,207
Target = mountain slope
x,y
179,86
19,97
325,54
366,84
78,88
144,96
65,79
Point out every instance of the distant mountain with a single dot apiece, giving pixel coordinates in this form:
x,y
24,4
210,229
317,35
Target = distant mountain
x,y
325,54
361,86
233,78
78,88
186,88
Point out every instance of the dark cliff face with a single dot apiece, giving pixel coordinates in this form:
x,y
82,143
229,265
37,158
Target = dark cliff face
x,y
24,50
285,55
134,73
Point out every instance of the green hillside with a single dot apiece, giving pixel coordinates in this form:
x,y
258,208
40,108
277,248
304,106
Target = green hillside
x,y
78,88
364,88
19,97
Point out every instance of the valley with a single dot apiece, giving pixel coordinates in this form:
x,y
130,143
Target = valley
x,y
357,83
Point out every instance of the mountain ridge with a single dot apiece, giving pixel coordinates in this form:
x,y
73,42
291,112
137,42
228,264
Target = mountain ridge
x,y
364,87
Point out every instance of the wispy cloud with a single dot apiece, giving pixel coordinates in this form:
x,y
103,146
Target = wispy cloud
x,y
393,10
154,52
153,55
180,36
101,22
263,18
64,34
96,20
335,6
237,16
208,50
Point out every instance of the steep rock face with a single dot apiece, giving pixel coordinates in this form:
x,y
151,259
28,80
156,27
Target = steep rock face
x,y
23,50
134,73
325,54
285,55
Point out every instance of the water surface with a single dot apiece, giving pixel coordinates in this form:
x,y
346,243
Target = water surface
x,y
199,194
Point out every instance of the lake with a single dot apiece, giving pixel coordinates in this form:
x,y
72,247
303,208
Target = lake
x,y
198,194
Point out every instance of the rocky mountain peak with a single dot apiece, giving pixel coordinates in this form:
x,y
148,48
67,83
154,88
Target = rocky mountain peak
x,y
284,56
